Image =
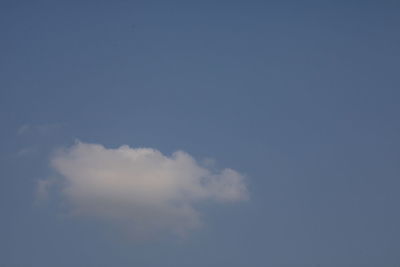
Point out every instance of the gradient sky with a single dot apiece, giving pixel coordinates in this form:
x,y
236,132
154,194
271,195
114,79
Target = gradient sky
x,y
301,97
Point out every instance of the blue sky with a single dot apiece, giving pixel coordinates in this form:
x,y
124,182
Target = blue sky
x,y
299,98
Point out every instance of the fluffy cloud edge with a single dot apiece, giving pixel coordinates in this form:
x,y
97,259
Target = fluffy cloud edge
x,y
140,188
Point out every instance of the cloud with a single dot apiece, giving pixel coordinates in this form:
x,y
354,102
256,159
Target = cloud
x,y
141,189
25,152
23,129
39,128
42,190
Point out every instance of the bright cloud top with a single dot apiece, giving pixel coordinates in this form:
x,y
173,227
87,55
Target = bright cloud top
x,y
140,188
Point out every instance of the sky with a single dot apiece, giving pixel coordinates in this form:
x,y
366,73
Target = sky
x,y
199,133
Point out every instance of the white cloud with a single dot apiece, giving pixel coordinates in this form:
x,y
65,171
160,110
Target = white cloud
x,y
26,151
140,188
39,128
42,190
23,129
